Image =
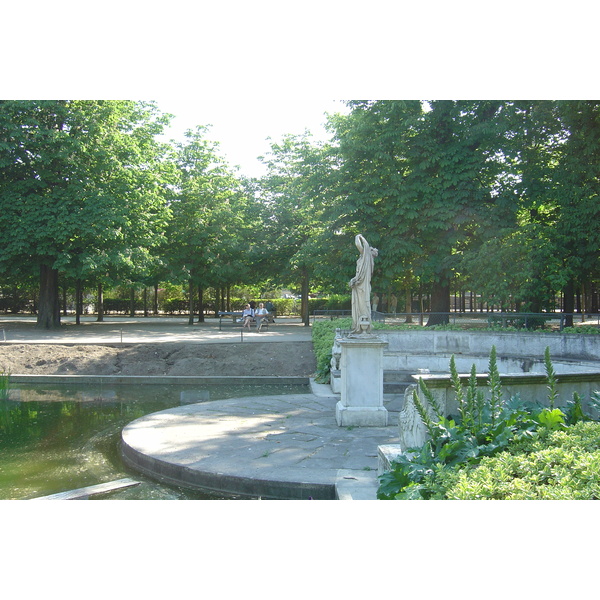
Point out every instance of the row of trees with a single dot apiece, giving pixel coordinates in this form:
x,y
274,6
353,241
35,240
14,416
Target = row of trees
x,y
495,196
89,196
499,197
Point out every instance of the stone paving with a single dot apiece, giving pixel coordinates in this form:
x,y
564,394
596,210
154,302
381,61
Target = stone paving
x,y
286,447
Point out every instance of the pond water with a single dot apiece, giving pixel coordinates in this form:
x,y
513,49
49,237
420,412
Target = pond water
x,y
63,437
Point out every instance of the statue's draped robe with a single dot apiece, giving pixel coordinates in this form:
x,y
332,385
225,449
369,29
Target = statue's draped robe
x,y
361,286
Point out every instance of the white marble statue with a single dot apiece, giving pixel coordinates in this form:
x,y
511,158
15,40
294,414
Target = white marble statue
x,y
336,351
361,287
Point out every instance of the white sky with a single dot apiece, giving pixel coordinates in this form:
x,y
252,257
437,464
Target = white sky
x,y
242,126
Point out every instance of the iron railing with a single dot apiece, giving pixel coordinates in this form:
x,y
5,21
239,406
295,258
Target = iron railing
x,y
481,319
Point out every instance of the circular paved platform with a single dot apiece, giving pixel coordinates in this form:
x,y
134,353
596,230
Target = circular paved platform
x,y
284,447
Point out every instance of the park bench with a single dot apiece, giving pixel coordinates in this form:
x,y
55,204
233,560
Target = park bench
x,y
524,320
236,319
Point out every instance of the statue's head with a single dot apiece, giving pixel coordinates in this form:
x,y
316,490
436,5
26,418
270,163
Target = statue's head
x,y
374,252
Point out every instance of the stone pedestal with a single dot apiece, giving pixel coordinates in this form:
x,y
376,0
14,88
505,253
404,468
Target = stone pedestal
x,y
361,366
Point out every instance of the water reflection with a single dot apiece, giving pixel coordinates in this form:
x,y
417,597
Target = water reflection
x,y
67,436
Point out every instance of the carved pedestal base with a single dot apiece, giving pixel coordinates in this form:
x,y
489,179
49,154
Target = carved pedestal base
x,y
360,416
361,366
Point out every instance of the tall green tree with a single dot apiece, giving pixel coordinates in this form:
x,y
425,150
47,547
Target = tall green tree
x,y
542,236
577,235
292,195
209,233
416,178
81,189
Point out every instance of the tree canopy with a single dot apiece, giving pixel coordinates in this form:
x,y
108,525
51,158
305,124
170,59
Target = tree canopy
x,y
499,197
83,189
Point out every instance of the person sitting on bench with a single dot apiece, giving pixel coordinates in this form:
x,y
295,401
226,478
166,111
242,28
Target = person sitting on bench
x,y
262,314
248,316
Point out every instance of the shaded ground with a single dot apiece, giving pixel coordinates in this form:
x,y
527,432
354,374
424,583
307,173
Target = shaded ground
x,y
259,358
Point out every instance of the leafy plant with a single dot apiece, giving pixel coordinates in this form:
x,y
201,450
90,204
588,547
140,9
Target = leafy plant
x,y
495,386
583,329
551,376
552,465
484,427
323,335
574,411
552,419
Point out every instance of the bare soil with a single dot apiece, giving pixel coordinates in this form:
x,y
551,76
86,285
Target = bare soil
x,y
259,359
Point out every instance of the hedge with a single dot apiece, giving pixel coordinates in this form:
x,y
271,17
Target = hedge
x,y
554,465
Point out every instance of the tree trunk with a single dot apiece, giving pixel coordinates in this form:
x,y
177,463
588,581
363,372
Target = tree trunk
x,y
145,301
64,300
408,305
200,304
191,302
569,302
304,301
49,304
100,303
155,305
440,303
78,301
132,302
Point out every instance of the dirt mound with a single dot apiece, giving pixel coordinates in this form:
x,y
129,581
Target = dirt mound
x,y
259,358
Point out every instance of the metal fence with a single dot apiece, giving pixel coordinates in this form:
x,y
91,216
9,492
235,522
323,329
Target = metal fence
x,y
472,319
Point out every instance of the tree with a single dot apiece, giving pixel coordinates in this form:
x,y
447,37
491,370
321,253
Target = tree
x,y
291,195
542,235
82,188
416,179
578,191
208,235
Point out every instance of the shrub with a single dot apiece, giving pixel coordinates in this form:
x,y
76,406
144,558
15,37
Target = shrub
x,y
284,306
176,305
116,305
323,335
338,302
553,465
587,329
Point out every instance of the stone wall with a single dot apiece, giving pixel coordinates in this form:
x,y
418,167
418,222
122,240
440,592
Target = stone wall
x,y
479,343
415,351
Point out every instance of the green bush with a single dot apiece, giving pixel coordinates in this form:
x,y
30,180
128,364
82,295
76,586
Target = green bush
x,y
175,305
485,426
587,329
118,305
323,335
337,302
553,465
284,306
